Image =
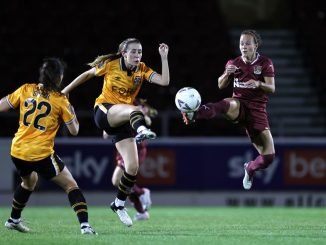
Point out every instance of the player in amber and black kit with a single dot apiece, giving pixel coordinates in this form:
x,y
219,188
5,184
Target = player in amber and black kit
x,y
253,79
42,109
124,74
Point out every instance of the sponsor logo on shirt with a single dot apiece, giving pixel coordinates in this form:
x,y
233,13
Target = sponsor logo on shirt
x,y
124,91
239,84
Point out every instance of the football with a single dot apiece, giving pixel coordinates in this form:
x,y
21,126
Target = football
x,y
187,99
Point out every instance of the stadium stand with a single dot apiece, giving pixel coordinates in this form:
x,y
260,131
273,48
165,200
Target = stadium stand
x,y
200,44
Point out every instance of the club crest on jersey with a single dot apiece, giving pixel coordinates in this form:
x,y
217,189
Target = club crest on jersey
x,y
137,80
257,70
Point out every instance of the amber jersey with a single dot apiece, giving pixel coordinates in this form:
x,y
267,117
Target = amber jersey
x,y
258,69
39,121
121,86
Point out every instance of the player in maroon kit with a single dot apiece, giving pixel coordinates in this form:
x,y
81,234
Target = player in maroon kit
x,y
253,79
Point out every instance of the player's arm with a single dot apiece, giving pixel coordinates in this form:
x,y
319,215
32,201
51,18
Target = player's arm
x,y
79,80
73,125
225,79
4,105
164,78
269,85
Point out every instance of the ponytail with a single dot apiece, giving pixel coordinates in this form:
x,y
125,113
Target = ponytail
x,y
108,57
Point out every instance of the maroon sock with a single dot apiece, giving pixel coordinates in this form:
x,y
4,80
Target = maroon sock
x,y
210,110
134,199
137,190
261,162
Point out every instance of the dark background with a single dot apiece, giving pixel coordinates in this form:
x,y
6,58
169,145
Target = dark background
x,y
197,33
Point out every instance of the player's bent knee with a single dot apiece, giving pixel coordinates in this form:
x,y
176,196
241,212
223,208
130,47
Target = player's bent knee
x,y
29,187
132,170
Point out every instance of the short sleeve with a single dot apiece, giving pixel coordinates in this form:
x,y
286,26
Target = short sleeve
x,y
148,73
68,113
102,68
269,69
14,98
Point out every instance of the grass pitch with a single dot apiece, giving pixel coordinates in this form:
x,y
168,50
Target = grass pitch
x,y
173,225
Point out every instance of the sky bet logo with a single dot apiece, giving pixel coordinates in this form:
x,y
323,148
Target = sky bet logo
x,y
158,168
87,166
235,167
305,167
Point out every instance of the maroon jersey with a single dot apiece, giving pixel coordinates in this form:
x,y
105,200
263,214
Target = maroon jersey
x,y
258,69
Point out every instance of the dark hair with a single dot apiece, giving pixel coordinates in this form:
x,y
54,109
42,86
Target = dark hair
x,y
255,35
50,74
122,48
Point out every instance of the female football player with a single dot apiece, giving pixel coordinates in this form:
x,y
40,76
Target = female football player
x,y
253,79
42,108
114,111
139,196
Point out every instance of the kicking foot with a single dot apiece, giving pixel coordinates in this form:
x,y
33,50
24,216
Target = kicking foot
x,y
145,134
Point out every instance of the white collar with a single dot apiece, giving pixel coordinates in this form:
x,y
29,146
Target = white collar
x,y
257,57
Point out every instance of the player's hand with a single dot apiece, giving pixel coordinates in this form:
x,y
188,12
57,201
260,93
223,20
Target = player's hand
x,y
163,50
253,83
188,117
230,69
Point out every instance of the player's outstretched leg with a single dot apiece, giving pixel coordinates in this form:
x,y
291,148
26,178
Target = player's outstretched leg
x,y
145,134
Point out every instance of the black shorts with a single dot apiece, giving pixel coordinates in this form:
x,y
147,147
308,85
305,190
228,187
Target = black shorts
x,y
47,168
124,131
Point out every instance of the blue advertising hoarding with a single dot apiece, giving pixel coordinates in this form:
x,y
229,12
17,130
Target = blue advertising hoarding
x,y
199,164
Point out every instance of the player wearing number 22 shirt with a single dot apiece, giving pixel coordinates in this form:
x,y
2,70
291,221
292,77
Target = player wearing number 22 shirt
x,y
42,109
40,118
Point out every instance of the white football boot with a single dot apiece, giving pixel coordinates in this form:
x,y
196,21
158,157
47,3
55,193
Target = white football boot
x,y
145,199
87,230
122,214
141,216
18,226
145,134
247,179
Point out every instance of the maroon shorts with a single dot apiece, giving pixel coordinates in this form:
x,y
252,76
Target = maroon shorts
x,y
253,116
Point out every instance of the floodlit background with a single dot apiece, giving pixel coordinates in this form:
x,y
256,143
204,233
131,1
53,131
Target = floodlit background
x,y
202,36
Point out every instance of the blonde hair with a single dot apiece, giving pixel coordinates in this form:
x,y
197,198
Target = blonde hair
x,y
108,57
